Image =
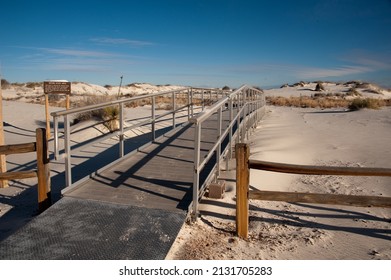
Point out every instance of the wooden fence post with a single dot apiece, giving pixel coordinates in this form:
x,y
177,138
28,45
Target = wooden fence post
x,y
3,162
242,189
43,172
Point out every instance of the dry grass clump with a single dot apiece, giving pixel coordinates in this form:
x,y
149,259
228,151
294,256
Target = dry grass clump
x,y
165,102
307,102
370,103
92,100
33,85
353,92
109,115
328,102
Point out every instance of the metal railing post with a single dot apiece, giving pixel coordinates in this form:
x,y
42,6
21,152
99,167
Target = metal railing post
x,y
153,123
238,128
219,127
56,148
192,102
196,178
244,124
202,100
67,147
121,130
173,110
188,105
231,116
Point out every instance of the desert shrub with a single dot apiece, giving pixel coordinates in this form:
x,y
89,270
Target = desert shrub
x,y
133,85
18,84
370,103
319,95
33,85
109,115
362,85
307,102
319,87
353,92
101,114
5,84
299,84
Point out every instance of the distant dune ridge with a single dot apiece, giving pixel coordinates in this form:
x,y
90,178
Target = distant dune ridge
x,y
32,91
352,95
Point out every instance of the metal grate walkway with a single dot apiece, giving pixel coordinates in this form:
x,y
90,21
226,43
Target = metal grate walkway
x,y
132,210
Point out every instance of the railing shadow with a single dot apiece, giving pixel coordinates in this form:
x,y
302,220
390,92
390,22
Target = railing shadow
x,y
130,179
297,219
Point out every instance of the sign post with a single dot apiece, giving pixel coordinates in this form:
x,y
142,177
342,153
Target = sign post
x,y
55,87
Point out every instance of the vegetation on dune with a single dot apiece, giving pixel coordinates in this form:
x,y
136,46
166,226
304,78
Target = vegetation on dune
x,y
319,87
307,102
108,115
4,84
328,102
369,103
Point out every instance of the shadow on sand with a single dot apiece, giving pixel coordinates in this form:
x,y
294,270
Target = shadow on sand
x,y
297,219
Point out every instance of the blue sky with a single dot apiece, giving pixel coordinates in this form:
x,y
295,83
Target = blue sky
x,y
200,43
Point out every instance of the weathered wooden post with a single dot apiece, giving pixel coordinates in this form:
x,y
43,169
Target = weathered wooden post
x,y
242,189
43,170
3,162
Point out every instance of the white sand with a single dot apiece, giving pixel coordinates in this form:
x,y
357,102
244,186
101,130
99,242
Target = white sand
x,y
277,230
303,231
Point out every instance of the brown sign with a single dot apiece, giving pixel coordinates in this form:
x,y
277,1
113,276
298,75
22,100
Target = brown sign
x,y
56,87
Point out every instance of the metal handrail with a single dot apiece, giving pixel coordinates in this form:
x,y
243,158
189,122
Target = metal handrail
x,y
249,103
113,102
191,92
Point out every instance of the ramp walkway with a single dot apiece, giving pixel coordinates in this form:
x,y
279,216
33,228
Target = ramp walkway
x,y
133,209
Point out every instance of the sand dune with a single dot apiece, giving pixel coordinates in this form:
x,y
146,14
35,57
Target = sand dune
x,y
32,92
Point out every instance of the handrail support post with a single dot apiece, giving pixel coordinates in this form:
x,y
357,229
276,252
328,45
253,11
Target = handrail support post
x,y
121,130
67,147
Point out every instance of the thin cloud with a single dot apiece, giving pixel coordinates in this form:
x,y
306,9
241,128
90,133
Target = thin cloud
x,y
375,61
303,72
75,52
121,41
313,73
67,59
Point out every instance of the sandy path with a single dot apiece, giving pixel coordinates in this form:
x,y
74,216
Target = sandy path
x,y
304,231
